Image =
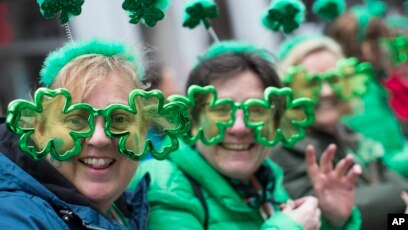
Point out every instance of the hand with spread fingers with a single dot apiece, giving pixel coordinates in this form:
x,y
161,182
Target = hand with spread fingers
x,y
334,185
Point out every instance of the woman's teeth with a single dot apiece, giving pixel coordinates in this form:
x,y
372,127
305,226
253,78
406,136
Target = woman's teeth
x,y
236,146
97,161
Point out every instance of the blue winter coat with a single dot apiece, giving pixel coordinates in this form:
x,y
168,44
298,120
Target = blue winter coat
x,y
29,200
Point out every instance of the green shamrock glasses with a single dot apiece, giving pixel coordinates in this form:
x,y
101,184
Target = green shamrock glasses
x,y
395,49
276,117
51,124
348,80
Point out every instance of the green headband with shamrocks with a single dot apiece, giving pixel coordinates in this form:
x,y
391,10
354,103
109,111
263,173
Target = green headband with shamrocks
x,y
52,124
348,80
56,60
211,116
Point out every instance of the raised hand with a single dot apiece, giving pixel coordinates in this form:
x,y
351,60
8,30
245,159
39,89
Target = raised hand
x,y
334,186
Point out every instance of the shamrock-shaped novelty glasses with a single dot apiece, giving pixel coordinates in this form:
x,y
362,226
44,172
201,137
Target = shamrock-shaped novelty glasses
x,y
348,80
51,124
276,117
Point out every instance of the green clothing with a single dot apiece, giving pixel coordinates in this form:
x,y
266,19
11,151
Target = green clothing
x,y
378,189
174,205
376,120
398,161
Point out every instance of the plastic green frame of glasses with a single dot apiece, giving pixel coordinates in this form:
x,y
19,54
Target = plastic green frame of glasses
x,y
350,79
274,118
51,124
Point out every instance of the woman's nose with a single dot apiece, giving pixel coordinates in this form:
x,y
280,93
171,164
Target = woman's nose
x,y
99,138
239,127
326,90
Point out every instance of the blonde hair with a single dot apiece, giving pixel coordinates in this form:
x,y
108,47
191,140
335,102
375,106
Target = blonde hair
x,y
84,72
310,45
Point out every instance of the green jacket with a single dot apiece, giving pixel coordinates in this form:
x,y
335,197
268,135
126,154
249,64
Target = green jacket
x,y
375,119
173,205
378,189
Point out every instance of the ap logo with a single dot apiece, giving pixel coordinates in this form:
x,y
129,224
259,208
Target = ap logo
x,y
397,221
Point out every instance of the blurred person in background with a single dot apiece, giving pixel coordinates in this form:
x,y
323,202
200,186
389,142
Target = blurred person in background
x,y
313,64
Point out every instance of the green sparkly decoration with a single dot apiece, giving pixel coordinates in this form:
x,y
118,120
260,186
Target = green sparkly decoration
x,y
284,15
52,125
151,11
170,118
216,115
348,80
197,11
396,49
328,10
29,119
66,8
211,128
298,115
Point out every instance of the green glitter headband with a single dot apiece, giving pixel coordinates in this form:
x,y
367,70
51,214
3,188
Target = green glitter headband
x,y
56,60
286,47
234,47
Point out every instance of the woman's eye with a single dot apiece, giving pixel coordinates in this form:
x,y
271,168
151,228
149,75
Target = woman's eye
x,y
120,119
76,122
258,111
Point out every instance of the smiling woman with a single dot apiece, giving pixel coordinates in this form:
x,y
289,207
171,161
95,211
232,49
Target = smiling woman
x,y
90,125
223,180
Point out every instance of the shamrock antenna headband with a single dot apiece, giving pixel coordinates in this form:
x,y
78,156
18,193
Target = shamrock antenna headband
x,y
281,16
147,11
201,11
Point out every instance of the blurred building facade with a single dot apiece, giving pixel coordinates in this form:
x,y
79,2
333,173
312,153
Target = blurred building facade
x,y
26,37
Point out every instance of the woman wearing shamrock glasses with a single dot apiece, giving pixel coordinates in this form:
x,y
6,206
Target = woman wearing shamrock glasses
x,y
78,142
361,33
222,180
314,67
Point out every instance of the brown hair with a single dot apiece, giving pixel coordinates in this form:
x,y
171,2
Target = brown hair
x,y
345,30
228,66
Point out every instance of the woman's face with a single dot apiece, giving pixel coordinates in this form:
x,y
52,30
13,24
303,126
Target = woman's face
x,y
329,108
238,155
100,172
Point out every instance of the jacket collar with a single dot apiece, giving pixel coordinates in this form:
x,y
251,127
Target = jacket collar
x,y
190,161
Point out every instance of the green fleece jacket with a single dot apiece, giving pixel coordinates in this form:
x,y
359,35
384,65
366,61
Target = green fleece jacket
x,y
173,205
378,189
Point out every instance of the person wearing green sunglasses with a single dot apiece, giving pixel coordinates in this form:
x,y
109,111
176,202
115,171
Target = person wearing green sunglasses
x,y
221,178
309,64
68,156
